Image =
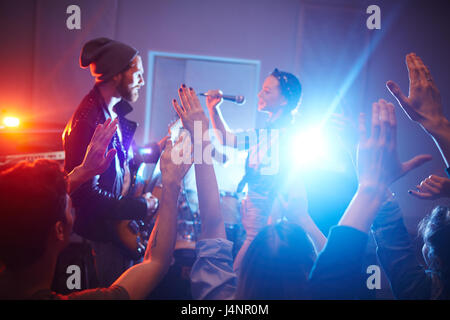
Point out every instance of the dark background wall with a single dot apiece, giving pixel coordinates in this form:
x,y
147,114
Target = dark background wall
x,y
325,42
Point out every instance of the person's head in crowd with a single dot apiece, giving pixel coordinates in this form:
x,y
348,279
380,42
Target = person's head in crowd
x,y
281,93
35,217
435,231
277,264
115,64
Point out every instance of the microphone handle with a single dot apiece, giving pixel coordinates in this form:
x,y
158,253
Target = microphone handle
x,y
235,99
229,98
225,97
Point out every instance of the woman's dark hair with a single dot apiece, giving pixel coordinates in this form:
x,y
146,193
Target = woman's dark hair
x,y
32,200
290,87
435,231
277,264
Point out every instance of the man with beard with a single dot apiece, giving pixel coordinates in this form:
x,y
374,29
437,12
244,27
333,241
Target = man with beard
x,y
104,200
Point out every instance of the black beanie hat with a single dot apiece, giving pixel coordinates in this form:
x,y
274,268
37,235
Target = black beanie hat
x,y
106,57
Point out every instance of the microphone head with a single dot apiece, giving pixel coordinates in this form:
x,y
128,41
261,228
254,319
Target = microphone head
x,y
240,99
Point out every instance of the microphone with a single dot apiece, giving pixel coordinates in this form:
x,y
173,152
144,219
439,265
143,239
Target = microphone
x,y
235,99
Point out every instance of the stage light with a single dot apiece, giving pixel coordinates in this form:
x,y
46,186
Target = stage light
x,y
149,153
11,122
146,151
309,148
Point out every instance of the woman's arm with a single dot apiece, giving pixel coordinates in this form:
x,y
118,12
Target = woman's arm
x,y
212,275
192,115
223,133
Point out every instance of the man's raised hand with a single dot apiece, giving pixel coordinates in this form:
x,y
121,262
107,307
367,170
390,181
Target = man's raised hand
x,y
96,160
378,162
424,104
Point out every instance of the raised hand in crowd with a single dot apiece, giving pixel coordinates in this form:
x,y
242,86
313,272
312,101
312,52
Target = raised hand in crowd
x,y
378,166
432,188
336,273
96,159
408,278
424,104
211,273
190,112
142,278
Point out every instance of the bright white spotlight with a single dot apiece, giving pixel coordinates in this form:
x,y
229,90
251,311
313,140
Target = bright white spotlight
x,y
146,151
11,121
309,148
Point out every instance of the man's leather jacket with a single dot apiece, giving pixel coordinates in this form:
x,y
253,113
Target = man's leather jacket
x,y
98,202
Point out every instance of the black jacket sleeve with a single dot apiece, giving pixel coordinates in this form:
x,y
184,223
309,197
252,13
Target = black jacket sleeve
x,y
337,272
408,279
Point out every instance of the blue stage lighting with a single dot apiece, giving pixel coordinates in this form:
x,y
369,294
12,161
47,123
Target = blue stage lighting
x,y
309,148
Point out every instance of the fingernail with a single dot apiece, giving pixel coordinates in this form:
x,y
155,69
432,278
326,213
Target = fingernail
x,y
191,89
180,90
183,85
409,191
